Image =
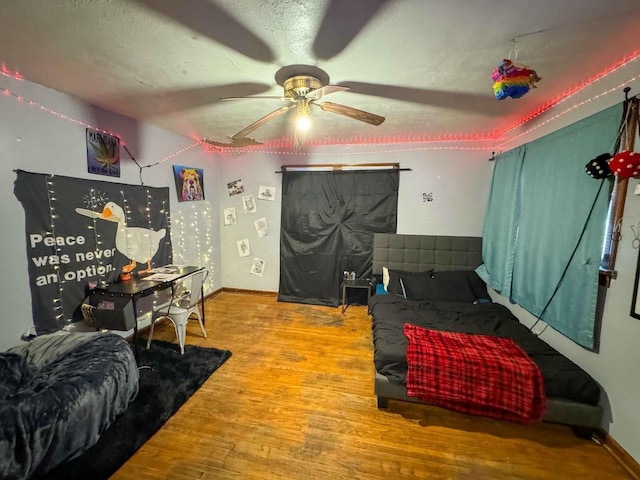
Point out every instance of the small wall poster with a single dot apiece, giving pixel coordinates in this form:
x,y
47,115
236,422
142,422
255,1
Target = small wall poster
x,y
230,217
249,204
103,153
267,193
234,188
244,249
189,183
261,227
257,267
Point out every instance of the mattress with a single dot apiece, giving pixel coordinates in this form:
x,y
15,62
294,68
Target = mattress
x,y
563,379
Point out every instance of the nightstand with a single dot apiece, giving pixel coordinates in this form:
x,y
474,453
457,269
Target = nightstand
x,y
366,284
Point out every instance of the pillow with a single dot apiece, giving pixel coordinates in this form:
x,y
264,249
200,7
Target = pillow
x,y
439,288
477,285
385,278
394,285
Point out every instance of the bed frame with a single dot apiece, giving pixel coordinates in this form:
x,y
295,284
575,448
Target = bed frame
x,y
417,253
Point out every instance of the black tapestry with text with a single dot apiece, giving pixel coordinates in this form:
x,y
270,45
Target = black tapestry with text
x,y
328,222
83,232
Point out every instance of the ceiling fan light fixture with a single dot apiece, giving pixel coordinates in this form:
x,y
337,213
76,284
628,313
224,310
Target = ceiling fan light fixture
x,y
303,91
303,123
303,115
298,86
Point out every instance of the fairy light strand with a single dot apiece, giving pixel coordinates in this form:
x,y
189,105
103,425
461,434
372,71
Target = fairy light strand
x,y
58,305
97,238
149,225
568,110
125,222
577,89
283,147
50,111
192,240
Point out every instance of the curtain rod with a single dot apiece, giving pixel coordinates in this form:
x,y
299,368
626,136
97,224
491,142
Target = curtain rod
x,y
332,167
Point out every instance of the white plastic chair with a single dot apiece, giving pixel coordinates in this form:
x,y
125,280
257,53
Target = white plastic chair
x,y
184,303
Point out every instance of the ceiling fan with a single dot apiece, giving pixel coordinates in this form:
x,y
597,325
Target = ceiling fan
x,y
303,86
342,22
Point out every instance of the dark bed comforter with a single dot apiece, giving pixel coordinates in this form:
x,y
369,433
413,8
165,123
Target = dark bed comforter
x,y
562,378
58,393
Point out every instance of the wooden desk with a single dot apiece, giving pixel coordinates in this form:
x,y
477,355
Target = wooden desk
x,y
139,287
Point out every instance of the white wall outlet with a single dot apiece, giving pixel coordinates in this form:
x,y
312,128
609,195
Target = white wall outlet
x,y
637,190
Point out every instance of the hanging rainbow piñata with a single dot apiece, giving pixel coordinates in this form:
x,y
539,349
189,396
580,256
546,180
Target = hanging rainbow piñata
x,y
511,80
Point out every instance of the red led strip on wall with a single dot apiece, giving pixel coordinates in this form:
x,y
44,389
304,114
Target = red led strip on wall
x,y
281,146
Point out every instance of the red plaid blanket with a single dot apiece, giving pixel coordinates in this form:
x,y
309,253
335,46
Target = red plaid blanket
x,y
474,374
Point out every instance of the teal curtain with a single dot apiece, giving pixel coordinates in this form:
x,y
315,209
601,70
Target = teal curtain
x,y
554,198
501,227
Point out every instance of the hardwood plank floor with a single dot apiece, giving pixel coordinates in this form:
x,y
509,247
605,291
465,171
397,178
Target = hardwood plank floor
x,y
295,401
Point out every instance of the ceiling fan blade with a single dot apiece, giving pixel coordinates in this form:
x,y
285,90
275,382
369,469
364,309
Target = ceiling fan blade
x,y
206,18
258,123
351,112
235,142
318,93
342,21
262,97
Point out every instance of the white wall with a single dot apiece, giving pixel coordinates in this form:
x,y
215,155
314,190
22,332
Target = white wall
x,y
457,180
43,141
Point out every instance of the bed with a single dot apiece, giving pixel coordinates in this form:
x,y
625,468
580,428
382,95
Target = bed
x,y
434,289
58,393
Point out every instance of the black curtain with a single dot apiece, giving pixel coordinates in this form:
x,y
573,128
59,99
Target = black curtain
x,y
328,222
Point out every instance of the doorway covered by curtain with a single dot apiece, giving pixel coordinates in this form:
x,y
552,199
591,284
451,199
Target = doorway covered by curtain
x,y
328,222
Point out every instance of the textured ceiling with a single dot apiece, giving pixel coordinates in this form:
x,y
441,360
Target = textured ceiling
x,y
425,65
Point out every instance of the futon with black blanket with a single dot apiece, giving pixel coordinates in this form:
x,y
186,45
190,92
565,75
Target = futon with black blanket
x,y
58,393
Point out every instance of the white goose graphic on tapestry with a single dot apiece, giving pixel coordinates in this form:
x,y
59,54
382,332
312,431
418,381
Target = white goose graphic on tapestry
x,y
138,244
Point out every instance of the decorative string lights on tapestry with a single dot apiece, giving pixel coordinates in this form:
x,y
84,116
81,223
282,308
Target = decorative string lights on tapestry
x,y
512,79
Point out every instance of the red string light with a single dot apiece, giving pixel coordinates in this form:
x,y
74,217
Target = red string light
x,y
284,146
574,90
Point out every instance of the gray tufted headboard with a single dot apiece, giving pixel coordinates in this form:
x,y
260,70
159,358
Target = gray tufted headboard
x,y
416,253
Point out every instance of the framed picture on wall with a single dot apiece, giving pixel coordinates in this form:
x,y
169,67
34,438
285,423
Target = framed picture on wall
x,y
103,153
189,183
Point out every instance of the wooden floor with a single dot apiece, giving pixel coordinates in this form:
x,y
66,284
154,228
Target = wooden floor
x,y
295,401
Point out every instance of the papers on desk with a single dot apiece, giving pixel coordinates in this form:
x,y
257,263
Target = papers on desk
x,y
165,273
161,277
166,269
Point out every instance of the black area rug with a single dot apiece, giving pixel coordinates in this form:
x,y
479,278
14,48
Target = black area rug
x,y
164,387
